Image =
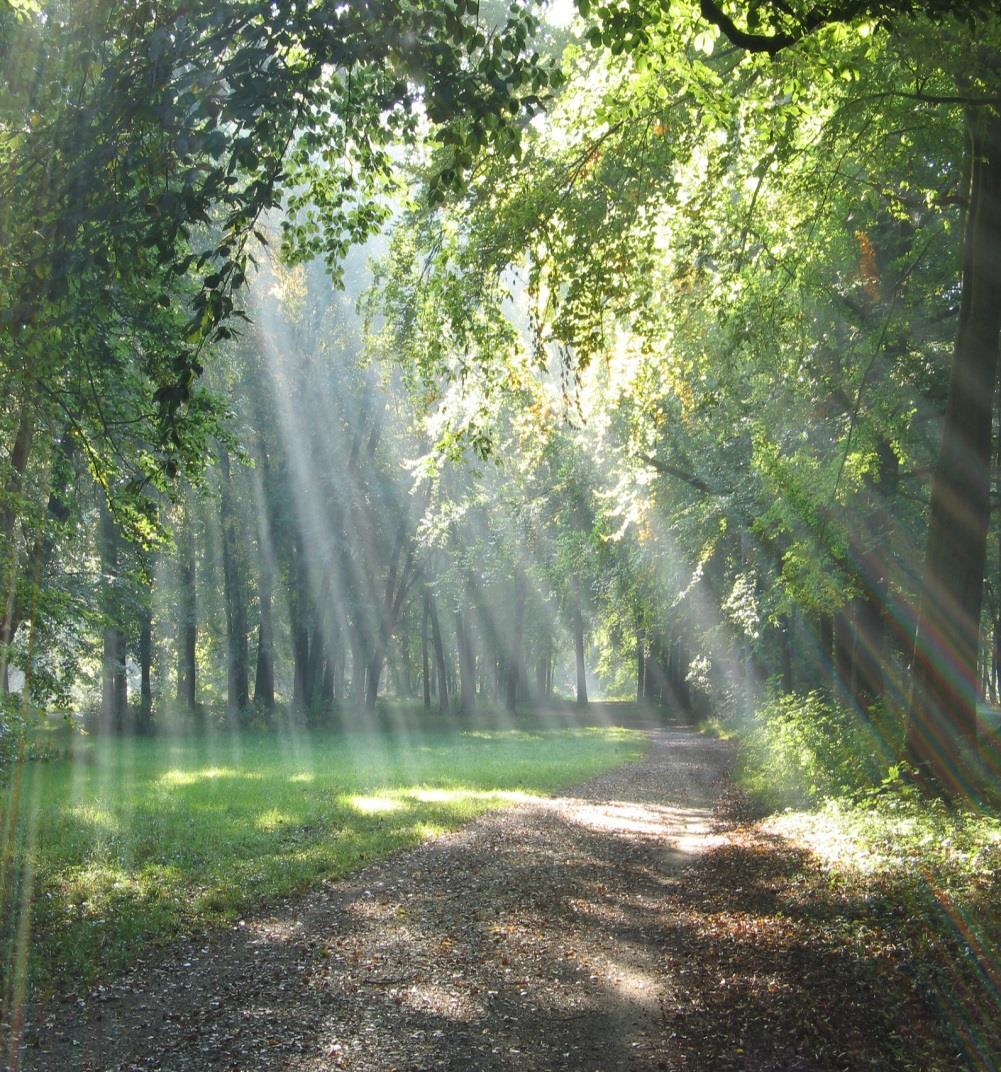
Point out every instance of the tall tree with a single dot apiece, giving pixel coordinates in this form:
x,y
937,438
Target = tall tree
x,y
187,670
946,688
238,659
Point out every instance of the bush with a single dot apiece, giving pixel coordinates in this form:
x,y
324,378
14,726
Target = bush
x,y
802,749
11,728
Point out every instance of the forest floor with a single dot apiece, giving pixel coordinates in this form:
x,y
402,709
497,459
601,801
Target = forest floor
x,y
639,922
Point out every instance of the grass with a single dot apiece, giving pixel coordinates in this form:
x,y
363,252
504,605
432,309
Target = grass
x,y
920,886
918,881
135,841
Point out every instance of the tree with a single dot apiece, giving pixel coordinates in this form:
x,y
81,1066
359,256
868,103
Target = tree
x,y
946,685
575,219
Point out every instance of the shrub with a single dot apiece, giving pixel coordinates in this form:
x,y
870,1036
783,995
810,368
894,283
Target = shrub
x,y
803,749
11,727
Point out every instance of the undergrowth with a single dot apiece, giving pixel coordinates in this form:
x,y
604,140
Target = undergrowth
x,y
801,749
926,873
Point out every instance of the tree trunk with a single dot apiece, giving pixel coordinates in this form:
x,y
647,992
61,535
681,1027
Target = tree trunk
x,y
317,662
500,677
869,652
340,674
335,656
681,688
264,676
439,659
995,658
467,662
406,678
640,666
943,703
358,665
372,676
654,678
996,637
869,657
514,673
491,643
326,696
114,684
238,666
265,496
578,642
145,723
394,673
188,615
19,454
299,611
425,660
398,582
543,682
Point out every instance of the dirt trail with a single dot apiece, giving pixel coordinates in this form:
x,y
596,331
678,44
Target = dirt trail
x,y
540,937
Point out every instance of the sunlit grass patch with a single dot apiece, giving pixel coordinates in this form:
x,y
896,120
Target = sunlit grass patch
x,y
175,777
904,880
918,883
894,834
136,841
506,735
372,805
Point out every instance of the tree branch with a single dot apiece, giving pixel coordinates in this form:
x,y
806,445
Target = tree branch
x,y
774,43
751,42
674,470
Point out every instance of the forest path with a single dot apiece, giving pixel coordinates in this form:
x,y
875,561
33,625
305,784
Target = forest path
x,y
538,937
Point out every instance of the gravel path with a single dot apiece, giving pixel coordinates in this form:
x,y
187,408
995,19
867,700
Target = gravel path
x,y
546,936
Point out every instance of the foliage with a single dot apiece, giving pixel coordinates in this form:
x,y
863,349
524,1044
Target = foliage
x,y
748,339
11,728
674,263
803,748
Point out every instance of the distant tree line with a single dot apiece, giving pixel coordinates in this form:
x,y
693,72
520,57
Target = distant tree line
x,y
693,377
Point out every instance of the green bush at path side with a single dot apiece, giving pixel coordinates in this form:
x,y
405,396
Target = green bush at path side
x,y
135,841
800,749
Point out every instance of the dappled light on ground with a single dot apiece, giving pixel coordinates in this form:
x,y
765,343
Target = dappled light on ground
x,y
688,829
137,840
181,778
933,876
620,927
512,933
373,805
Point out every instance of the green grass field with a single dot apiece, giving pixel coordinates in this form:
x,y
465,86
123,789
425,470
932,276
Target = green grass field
x,y
135,841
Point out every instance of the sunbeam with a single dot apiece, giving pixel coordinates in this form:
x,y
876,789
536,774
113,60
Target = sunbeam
x,y
500,558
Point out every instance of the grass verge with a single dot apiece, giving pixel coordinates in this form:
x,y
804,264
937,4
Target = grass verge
x,y
909,887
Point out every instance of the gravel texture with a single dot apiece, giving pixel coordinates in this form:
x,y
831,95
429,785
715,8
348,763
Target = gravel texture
x,y
545,936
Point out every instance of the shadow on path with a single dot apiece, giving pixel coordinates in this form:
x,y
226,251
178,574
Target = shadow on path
x,y
617,928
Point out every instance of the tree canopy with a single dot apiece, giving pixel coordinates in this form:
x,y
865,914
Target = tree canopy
x,y
677,359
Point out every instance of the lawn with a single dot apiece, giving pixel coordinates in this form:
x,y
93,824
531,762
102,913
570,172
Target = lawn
x,y
135,841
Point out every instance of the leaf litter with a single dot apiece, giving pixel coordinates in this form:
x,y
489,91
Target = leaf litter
x,y
641,921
